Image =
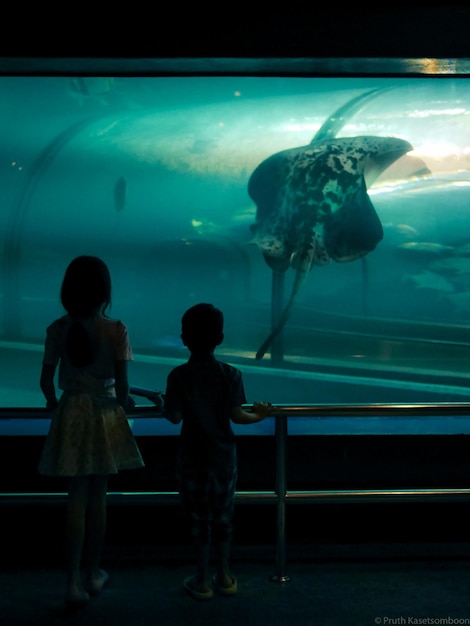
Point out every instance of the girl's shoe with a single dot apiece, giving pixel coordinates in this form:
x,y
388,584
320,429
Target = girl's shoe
x,y
97,584
231,590
76,597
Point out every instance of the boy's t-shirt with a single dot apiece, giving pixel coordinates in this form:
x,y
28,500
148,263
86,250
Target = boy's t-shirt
x,y
205,391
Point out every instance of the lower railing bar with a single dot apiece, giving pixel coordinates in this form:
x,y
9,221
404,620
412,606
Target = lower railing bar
x,y
256,497
376,495
130,498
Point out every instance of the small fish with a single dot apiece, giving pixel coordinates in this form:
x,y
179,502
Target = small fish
x,y
461,301
428,247
91,86
203,146
90,91
120,188
402,229
171,342
453,265
202,226
431,280
463,251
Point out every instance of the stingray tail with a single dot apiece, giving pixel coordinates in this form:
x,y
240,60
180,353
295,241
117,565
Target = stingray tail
x,y
301,274
279,326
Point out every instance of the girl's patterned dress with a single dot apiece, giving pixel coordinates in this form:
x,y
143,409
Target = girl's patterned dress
x,y
89,431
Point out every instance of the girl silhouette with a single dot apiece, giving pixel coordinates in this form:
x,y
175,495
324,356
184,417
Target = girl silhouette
x,y
89,436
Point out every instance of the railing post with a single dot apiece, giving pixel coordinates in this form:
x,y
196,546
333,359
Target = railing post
x,y
281,491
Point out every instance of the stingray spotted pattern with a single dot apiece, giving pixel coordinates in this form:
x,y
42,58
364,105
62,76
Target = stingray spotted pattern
x,y
313,206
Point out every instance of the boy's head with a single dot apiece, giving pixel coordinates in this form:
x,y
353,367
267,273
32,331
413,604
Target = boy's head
x,y
202,328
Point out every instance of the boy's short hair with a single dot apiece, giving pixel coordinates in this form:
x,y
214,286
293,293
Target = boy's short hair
x,y
202,327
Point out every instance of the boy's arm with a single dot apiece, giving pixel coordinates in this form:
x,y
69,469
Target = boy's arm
x,y
172,404
47,385
260,411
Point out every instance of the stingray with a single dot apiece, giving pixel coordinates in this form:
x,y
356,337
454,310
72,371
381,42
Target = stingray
x,y
313,206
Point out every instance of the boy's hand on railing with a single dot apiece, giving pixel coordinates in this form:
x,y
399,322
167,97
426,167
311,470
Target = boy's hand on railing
x,y
262,409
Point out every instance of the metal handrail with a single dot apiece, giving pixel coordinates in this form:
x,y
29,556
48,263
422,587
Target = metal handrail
x,y
440,409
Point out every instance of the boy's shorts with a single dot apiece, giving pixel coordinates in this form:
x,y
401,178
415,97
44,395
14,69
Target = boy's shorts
x,y
207,497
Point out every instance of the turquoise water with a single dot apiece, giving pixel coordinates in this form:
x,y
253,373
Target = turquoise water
x,y
392,327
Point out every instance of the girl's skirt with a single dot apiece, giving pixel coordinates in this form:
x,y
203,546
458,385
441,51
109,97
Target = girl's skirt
x,y
88,435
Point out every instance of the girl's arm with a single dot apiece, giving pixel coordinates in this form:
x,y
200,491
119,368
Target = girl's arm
x,y
121,382
174,417
47,385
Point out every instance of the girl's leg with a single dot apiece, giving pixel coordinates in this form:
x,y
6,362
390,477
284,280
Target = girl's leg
x,y
96,529
74,536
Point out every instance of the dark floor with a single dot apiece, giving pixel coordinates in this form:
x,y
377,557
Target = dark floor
x,y
328,586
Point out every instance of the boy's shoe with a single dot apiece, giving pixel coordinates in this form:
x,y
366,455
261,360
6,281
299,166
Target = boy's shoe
x,y
190,588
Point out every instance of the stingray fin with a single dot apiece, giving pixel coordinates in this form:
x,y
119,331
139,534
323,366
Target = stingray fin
x,y
354,230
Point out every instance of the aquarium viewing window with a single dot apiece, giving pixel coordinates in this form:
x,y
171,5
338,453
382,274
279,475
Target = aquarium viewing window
x,y
324,203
